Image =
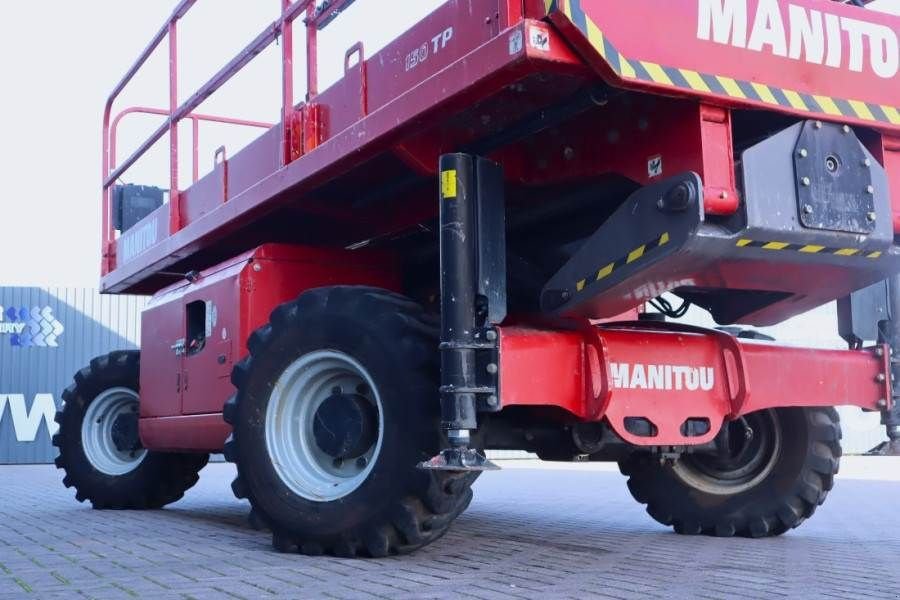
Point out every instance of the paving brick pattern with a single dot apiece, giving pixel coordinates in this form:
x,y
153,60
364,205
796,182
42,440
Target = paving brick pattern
x,y
529,534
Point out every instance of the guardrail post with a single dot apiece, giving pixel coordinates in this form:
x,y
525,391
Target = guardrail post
x,y
174,200
287,84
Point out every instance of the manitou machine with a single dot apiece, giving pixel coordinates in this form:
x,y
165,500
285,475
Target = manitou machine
x,y
450,250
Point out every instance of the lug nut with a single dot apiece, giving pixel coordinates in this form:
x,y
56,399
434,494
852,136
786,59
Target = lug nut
x,y
361,462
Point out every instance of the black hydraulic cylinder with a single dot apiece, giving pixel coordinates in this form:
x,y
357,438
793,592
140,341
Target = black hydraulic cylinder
x,y
459,291
891,418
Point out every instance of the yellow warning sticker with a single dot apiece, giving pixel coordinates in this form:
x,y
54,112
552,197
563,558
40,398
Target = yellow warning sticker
x,y
448,184
807,248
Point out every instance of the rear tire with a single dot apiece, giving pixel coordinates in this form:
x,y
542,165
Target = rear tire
x,y
800,455
98,466
361,495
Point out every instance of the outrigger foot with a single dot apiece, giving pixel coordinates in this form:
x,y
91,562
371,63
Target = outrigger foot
x,y
459,459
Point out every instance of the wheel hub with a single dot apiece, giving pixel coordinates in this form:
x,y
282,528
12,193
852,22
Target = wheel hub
x,y
345,425
125,432
747,450
109,432
324,425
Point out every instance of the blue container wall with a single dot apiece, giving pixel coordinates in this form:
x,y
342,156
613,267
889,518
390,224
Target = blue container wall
x,y
46,335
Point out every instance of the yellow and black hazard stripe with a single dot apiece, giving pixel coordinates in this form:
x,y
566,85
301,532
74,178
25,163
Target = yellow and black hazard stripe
x,y
633,256
630,68
806,248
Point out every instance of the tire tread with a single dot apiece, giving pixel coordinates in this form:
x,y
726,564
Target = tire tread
x,y
816,479
172,473
415,520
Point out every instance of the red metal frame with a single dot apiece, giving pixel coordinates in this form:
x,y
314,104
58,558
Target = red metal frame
x,y
670,373
281,28
665,373
309,116
378,109
389,106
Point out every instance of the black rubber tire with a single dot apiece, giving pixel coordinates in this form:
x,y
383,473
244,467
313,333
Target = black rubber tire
x,y
798,483
162,478
398,508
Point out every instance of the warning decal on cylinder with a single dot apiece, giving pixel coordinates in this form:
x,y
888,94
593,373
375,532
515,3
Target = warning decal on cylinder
x,y
448,184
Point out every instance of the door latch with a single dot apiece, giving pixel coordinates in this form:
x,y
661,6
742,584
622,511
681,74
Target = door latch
x,y
179,347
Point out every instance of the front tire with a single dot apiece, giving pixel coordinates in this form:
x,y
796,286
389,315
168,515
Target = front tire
x,y
336,405
98,443
763,484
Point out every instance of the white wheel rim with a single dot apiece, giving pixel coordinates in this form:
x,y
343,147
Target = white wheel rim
x,y
97,432
293,403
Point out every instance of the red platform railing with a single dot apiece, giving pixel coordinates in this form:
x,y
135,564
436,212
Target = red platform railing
x,y
316,17
195,118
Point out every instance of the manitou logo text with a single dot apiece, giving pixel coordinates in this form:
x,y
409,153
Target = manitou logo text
x,y
627,376
26,424
137,240
802,34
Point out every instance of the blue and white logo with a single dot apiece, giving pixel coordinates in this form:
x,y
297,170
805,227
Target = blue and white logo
x,y
36,327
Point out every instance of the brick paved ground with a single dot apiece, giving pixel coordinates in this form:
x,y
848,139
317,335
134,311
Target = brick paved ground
x,y
529,534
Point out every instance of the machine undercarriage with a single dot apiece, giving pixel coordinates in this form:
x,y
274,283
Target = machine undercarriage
x,y
486,241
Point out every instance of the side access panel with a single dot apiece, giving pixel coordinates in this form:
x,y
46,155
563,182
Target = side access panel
x,y
162,326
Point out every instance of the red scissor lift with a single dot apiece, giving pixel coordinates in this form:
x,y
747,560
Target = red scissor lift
x,y
451,250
